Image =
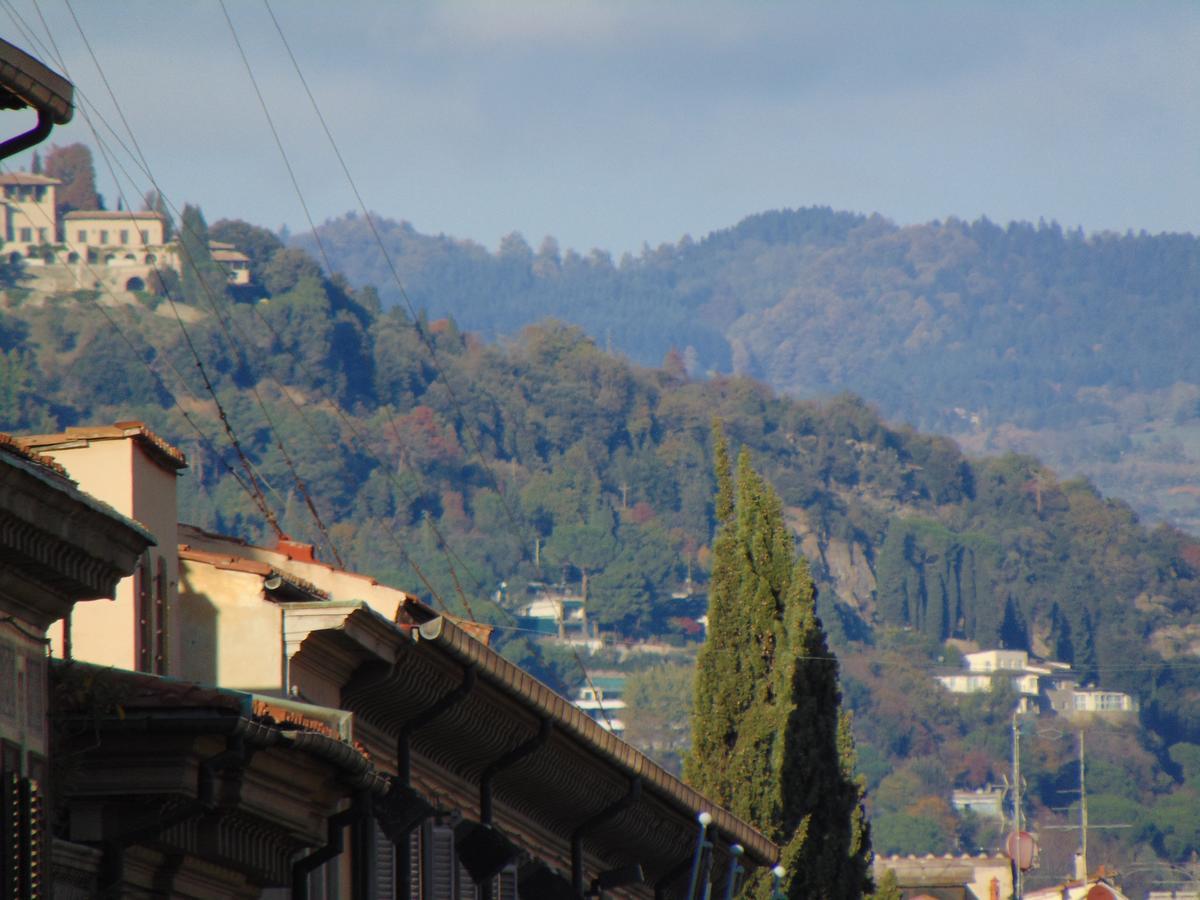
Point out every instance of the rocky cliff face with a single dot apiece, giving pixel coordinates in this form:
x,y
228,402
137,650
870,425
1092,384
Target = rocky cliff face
x,y
843,565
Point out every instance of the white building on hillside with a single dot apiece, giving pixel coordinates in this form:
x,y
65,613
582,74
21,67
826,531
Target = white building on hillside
x,y
1047,684
27,217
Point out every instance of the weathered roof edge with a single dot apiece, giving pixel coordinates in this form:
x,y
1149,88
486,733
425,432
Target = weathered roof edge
x,y
159,450
450,638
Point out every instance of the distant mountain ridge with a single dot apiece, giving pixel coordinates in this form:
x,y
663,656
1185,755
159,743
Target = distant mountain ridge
x,y
1020,337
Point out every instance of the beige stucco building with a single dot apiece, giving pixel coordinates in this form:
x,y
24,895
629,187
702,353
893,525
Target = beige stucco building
x,y
91,249
235,263
133,470
363,745
114,233
27,214
58,546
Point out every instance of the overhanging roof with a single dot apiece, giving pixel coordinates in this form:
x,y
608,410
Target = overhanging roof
x,y
580,770
55,536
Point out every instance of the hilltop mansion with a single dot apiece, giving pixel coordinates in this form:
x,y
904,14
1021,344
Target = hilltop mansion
x,y
90,248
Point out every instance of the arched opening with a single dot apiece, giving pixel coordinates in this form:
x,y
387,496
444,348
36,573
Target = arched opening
x,y
151,259
135,284
72,257
131,256
109,258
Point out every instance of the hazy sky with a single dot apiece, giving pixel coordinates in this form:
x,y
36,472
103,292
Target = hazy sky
x,y
610,123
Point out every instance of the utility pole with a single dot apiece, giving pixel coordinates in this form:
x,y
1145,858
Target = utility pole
x,y
1085,825
1016,842
1083,818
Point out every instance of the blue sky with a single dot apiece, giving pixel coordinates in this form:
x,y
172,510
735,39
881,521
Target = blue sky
x,y
610,124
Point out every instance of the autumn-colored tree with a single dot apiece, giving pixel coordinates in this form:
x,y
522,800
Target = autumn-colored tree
x,y
769,738
72,165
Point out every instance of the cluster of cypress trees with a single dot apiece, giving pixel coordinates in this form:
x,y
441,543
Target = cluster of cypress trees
x,y
769,739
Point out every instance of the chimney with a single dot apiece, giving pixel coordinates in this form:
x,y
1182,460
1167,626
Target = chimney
x,y
295,550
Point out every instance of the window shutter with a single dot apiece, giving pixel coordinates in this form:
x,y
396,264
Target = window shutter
x,y
438,871
23,871
506,885
385,864
414,864
466,887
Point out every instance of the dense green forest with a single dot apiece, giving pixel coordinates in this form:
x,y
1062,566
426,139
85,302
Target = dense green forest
x,y
1011,322
446,463
1023,337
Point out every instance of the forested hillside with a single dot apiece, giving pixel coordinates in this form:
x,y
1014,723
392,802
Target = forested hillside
x,y
446,463
1022,337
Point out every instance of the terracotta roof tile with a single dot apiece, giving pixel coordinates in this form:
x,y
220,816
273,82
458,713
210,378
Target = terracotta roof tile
x,y
166,455
250,566
109,214
26,178
9,444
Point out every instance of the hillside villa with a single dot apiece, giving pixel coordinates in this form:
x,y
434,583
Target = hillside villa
x,y
91,248
1042,685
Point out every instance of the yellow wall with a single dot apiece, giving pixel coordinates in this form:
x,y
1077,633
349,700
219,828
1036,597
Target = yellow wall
x,y
112,226
340,585
34,215
232,635
119,472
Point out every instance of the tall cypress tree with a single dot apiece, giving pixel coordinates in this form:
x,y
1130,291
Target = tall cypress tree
x,y
769,739
203,280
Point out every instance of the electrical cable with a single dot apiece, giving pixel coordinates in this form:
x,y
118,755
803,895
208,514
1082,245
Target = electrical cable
x,y
209,294
442,543
370,220
252,476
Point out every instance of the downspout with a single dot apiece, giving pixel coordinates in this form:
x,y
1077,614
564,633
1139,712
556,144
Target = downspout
x,y
631,797
404,755
426,716
511,758
334,844
31,138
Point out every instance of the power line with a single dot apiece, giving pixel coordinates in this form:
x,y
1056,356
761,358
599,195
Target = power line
x,y
442,543
370,220
158,378
260,501
259,498
140,161
208,292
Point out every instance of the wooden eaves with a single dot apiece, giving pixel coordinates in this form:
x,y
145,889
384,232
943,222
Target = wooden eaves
x,y
392,674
